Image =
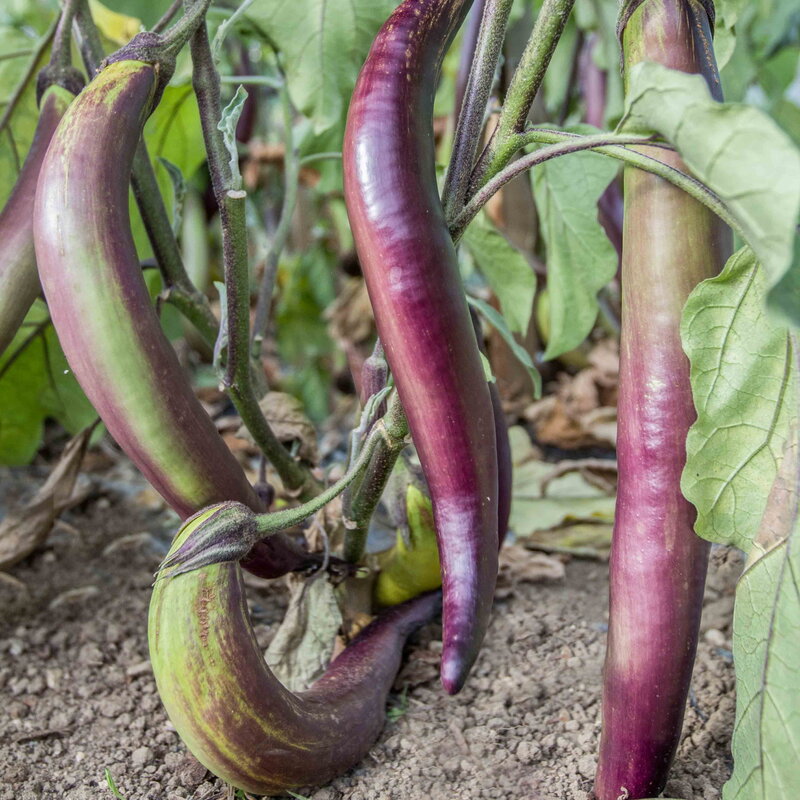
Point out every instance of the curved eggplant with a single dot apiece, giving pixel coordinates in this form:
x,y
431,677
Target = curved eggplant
x,y
232,712
105,320
410,266
658,564
19,282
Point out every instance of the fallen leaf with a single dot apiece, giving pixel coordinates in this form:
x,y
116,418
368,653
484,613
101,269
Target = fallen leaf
x,y
26,528
288,420
303,645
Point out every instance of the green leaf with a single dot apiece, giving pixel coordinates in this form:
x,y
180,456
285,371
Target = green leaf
x,y
174,132
506,270
37,384
16,137
323,43
227,124
580,258
739,153
112,784
178,193
499,324
744,389
766,649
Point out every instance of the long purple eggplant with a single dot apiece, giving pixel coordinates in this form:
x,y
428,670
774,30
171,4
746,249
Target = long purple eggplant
x,y
411,271
232,712
103,315
658,564
19,283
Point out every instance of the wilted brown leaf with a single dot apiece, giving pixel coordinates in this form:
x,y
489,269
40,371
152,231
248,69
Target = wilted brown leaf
x,y
26,528
286,417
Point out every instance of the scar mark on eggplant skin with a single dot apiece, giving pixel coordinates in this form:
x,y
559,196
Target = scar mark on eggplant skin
x,y
205,597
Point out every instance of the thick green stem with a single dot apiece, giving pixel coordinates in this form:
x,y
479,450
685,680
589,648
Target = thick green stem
x,y
360,504
291,173
521,91
470,120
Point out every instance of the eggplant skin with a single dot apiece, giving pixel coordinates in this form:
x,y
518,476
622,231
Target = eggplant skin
x,y
232,712
411,270
102,312
658,564
19,281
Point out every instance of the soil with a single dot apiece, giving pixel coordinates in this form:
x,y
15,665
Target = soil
x,y
79,697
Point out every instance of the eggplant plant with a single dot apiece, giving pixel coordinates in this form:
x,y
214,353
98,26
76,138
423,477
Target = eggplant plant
x,y
708,387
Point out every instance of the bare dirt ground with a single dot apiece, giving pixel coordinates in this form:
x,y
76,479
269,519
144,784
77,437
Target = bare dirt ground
x,y
79,696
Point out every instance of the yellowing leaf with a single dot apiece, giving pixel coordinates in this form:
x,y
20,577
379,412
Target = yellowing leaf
x,y
119,28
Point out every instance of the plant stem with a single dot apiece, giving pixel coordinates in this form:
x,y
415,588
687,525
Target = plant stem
x,y
181,292
693,187
252,80
522,90
359,505
471,118
167,16
388,436
571,145
27,76
60,55
291,172
231,202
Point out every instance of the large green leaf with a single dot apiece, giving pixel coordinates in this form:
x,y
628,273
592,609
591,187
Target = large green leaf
x,y
745,392
323,44
508,273
742,155
766,649
580,258
37,384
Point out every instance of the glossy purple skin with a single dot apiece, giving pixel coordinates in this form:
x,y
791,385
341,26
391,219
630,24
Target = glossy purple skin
x,y
658,564
110,333
19,283
411,270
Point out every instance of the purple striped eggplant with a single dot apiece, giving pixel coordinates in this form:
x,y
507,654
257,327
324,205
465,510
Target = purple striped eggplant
x,y
658,564
19,283
232,712
410,266
105,320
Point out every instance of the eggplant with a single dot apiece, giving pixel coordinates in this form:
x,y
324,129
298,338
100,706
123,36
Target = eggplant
x,y
658,565
234,715
19,282
105,320
411,271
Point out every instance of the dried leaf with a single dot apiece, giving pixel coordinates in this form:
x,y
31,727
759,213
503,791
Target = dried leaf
x,y
26,529
286,417
303,646
350,318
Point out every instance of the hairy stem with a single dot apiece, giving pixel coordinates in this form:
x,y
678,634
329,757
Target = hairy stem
x,y
231,203
476,95
360,504
521,91
291,172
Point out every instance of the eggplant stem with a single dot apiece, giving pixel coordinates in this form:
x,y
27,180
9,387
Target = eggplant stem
x,y
239,374
524,84
476,96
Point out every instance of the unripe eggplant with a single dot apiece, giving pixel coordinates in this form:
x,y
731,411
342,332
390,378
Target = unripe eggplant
x,y
658,564
19,283
103,315
411,270
232,712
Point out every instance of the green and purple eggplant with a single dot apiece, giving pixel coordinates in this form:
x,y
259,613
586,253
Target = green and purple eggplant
x,y
658,564
234,715
104,317
411,270
19,282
